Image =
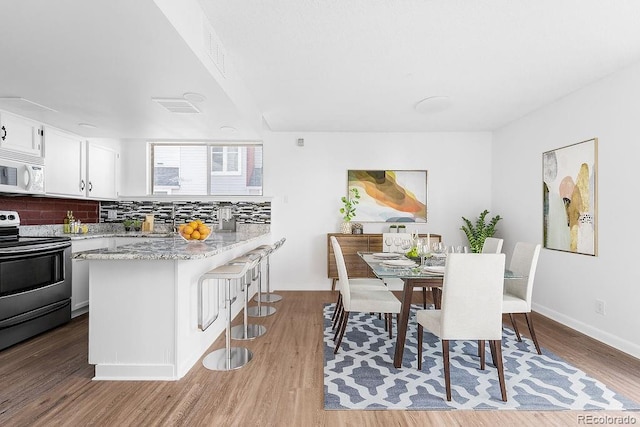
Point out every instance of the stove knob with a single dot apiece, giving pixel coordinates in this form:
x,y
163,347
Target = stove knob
x,y
11,217
3,217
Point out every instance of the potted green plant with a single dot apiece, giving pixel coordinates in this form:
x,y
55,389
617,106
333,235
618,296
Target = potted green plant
x,y
348,210
137,225
127,223
478,232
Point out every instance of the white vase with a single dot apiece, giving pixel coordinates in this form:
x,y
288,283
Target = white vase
x,y
345,227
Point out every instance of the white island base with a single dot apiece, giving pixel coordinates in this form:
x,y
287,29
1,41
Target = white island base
x,y
143,321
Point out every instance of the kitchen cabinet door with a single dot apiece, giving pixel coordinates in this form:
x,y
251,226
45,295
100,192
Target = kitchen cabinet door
x,y
80,274
65,172
20,134
102,172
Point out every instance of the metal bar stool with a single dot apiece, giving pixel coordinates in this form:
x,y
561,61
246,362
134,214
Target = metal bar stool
x,y
247,331
260,310
228,358
269,296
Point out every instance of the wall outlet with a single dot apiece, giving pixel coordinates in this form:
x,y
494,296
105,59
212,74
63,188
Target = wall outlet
x,y
112,214
600,307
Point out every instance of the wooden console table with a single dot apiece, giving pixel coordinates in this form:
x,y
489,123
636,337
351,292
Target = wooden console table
x,y
351,244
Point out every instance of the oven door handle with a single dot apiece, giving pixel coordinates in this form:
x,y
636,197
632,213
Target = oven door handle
x,y
11,253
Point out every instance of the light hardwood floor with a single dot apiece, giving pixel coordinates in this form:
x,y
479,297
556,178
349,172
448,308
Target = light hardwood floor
x,y
46,381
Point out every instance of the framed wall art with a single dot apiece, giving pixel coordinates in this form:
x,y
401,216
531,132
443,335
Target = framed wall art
x,y
390,196
570,198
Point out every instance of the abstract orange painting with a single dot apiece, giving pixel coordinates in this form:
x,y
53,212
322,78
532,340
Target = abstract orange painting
x,y
390,196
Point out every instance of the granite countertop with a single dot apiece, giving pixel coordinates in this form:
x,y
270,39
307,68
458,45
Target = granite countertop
x,y
168,248
98,234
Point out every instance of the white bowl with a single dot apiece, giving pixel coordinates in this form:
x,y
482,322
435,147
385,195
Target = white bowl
x,y
187,238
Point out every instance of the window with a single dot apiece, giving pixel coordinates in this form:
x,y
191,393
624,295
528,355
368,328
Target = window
x,y
206,169
225,161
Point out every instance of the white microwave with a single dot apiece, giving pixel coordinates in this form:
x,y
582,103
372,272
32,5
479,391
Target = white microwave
x,y
21,177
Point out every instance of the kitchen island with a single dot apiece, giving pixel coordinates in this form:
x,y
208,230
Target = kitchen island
x,y
143,321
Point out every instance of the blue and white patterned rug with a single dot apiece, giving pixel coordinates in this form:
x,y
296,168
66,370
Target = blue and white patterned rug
x,y
362,376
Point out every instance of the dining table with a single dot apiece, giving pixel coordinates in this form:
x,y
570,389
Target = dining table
x,y
430,274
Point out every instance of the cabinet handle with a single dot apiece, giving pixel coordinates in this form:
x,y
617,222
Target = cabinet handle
x,y
90,186
82,185
4,130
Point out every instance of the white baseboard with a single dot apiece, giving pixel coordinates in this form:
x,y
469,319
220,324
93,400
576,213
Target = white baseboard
x,y
595,333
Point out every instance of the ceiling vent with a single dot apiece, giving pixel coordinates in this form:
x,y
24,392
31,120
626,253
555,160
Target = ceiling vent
x,y
22,104
177,105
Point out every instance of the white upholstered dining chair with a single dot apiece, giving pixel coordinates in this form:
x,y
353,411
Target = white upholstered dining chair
x,y
363,284
356,299
518,292
492,245
471,310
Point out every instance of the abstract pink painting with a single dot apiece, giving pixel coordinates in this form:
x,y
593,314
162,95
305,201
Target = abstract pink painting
x,y
569,198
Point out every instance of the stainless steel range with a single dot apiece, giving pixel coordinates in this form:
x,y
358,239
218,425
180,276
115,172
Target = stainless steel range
x,y
35,282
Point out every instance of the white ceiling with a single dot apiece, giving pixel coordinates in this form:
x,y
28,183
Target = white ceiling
x,y
362,65
308,65
101,62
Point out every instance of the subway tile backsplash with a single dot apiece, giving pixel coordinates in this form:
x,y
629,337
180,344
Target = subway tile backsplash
x,y
164,212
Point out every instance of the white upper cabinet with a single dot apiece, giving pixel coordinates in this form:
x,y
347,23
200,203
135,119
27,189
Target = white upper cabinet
x,y
20,134
102,168
65,157
78,168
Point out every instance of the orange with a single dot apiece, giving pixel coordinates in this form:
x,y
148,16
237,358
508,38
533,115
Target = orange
x,y
195,235
187,230
193,225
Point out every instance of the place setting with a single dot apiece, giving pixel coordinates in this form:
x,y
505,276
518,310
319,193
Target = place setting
x,y
386,255
398,263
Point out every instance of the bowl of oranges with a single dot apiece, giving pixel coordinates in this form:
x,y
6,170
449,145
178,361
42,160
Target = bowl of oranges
x,y
194,231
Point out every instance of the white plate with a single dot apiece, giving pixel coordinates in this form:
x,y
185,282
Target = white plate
x,y
386,255
434,269
399,263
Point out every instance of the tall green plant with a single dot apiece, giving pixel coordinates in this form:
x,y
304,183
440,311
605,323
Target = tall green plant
x,y
349,209
476,234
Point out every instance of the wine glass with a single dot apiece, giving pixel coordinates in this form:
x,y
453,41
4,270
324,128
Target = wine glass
x,y
423,250
388,241
414,236
397,241
405,245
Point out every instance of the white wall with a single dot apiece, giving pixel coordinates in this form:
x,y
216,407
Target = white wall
x,y
307,183
567,285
